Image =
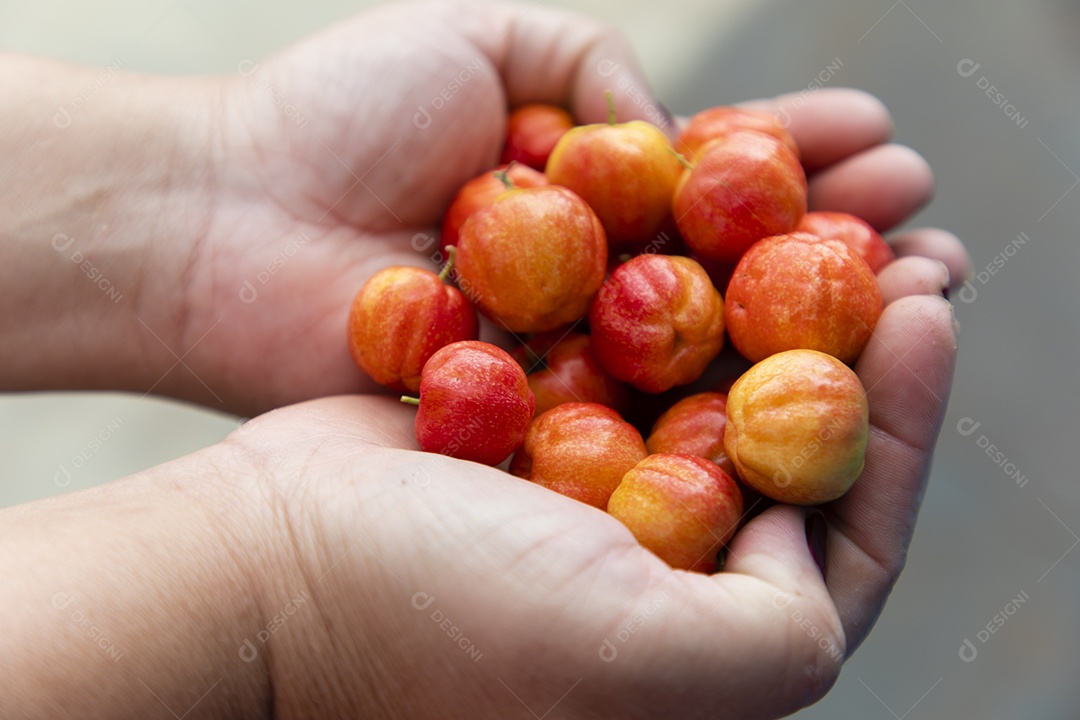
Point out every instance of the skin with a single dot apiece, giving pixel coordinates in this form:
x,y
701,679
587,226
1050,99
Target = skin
x,y
742,187
681,507
855,233
797,427
479,192
400,318
581,450
657,322
533,258
693,426
568,371
475,403
532,132
626,172
802,291
714,123
183,189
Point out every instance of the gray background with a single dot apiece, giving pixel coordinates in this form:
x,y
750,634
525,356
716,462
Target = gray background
x,y
983,538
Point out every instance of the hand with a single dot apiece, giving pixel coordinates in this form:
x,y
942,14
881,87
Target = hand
x,y
547,603
443,588
208,234
338,156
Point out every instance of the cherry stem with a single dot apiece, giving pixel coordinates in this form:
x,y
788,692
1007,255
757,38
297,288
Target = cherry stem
x,y
410,400
610,97
681,158
451,252
504,175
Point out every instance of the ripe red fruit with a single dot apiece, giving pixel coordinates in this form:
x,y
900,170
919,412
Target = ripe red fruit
x,y
798,426
719,122
854,232
743,187
800,291
694,426
657,322
475,403
562,368
626,172
481,191
681,507
533,258
581,450
532,131
399,318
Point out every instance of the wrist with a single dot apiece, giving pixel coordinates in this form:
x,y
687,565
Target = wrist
x,y
138,594
106,189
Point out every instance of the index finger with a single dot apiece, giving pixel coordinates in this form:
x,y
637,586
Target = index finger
x,y
907,371
831,124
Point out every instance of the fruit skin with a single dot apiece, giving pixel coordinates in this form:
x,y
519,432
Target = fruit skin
x,y
475,403
801,291
480,191
581,450
533,259
854,232
681,507
657,322
562,368
798,424
743,187
532,131
626,172
399,318
714,123
693,426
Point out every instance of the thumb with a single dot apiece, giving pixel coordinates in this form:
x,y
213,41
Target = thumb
x,y
546,54
775,547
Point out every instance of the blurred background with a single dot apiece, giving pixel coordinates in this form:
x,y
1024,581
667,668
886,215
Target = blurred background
x,y
983,623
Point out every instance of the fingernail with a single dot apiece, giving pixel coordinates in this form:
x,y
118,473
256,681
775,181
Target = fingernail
x,y
817,530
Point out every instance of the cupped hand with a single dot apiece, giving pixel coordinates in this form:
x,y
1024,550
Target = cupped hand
x,y
443,588
336,158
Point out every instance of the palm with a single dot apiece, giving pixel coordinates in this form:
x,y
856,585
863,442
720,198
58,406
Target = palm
x,y
327,173
516,572
314,201
438,547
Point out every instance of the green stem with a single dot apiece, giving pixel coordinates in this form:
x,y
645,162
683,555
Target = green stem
x,y
410,400
610,97
681,158
504,176
451,252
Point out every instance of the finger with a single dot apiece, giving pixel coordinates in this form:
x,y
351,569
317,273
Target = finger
x,y
770,620
939,245
907,371
913,276
546,54
830,125
375,420
883,186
